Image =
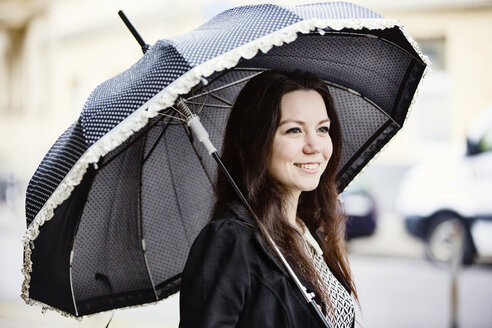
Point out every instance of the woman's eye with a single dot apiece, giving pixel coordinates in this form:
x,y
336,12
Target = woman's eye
x,y
324,129
293,130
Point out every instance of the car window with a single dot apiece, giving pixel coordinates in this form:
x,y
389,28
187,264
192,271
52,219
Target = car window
x,y
485,143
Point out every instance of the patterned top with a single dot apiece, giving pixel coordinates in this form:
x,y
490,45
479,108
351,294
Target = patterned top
x,y
342,301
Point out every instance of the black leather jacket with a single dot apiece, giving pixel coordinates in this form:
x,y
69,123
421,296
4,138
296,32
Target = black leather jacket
x,y
231,280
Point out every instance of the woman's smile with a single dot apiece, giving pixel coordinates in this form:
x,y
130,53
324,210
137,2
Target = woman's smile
x,y
310,168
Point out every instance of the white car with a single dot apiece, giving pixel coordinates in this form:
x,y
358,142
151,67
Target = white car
x,y
451,194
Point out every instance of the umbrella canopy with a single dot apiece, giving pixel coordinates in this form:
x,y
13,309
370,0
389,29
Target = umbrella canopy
x,y
115,205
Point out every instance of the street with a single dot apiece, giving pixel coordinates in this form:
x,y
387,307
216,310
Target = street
x,y
396,288
415,293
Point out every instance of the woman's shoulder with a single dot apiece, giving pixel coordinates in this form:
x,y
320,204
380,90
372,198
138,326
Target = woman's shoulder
x,y
229,226
234,216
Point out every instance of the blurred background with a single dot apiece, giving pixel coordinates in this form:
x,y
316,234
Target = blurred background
x,y
420,229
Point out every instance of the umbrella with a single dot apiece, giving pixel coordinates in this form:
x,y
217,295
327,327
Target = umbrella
x,y
115,205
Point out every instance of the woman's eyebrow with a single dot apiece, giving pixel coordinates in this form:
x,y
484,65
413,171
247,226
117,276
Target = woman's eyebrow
x,y
302,122
291,121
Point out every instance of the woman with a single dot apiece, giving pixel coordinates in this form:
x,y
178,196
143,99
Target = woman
x,y
282,146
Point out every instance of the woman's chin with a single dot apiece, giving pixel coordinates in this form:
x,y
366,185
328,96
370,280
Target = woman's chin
x,y
310,187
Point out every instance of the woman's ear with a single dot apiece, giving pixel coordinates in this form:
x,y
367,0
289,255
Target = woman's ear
x,y
320,234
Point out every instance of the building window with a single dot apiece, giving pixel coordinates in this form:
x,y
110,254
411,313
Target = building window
x,y
433,114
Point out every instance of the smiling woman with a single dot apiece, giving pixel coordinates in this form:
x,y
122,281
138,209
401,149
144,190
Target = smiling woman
x,y
282,146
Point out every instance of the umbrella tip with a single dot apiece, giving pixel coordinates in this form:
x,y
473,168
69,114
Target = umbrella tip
x,y
133,30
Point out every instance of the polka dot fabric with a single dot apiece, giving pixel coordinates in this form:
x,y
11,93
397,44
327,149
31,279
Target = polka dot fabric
x,y
334,10
112,101
232,29
54,167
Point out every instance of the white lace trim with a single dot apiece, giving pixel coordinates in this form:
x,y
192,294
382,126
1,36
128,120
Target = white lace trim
x,y
165,99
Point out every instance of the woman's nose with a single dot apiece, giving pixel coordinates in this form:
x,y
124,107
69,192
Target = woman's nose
x,y
312,144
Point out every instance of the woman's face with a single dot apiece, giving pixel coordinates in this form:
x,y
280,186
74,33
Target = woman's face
x,y
302,145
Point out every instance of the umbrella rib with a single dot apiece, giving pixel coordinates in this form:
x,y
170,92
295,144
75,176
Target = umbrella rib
x,y
71,285
248,69
224,86
372,103
140,214
178,111
369,36
129,145
221,99
203,104
155,144
210,105
173,117
381,110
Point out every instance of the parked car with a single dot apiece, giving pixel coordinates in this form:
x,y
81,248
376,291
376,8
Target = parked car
x,y
360,208
7,187
453,189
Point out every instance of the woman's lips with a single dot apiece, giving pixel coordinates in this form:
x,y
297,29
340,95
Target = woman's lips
x,y
310,168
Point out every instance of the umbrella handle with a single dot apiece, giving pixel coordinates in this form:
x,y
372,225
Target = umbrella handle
x,y
201,134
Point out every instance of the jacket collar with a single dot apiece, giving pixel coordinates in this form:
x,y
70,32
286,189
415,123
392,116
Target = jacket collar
x,y
241,213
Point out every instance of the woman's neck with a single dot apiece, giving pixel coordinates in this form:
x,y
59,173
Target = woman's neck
x,y
290,210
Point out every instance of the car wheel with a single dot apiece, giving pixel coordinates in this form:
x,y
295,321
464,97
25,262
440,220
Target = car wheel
x,y
445,229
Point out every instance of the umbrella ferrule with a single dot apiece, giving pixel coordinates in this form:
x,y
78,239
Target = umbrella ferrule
x,y
202,135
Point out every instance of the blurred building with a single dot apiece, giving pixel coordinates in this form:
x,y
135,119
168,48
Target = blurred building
x,y
459,88
54,52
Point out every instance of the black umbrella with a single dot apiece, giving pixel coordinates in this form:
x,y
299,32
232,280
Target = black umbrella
x,y
116,203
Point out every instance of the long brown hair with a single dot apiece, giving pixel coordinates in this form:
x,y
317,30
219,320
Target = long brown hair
x,y
248,140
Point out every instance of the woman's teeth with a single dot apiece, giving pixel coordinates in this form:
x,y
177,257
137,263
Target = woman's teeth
x,y
307,166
